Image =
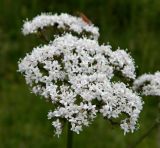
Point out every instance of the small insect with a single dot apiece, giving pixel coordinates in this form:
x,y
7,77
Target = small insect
x,y
84,18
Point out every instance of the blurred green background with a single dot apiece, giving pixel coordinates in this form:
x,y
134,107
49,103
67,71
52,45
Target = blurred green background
x,y
131,24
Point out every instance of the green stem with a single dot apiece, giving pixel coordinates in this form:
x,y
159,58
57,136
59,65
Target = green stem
x,y
147,133
69,136
155,125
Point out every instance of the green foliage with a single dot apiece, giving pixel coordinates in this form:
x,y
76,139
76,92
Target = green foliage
x,y
23,116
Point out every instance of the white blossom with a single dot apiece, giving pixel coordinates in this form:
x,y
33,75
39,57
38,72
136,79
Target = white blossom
x,y
58,126
62,21
123,61
77,76
148,84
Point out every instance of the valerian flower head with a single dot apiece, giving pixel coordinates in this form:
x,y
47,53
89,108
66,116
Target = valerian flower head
x,y
63,21
78,76
148,84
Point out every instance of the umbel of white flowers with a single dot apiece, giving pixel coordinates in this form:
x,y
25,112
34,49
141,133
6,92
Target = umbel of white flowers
x,y
80,77
148,84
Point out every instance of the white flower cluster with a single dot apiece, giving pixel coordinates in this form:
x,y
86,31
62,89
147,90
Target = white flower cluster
x,y
62,21
77,76
148,84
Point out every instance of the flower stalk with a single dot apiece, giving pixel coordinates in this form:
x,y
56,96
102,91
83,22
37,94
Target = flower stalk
x,y
69,136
